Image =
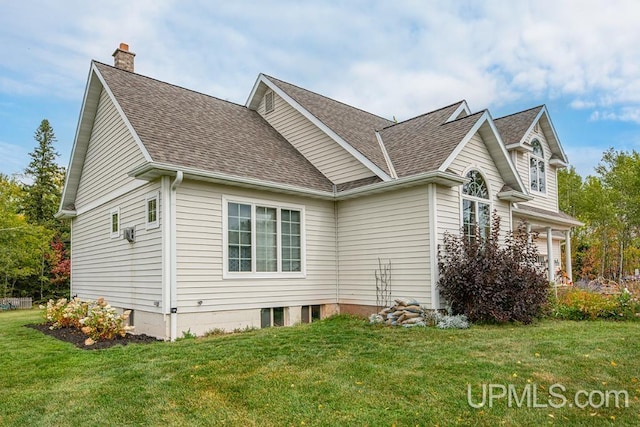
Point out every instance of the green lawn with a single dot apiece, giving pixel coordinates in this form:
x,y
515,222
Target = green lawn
x,y
340,371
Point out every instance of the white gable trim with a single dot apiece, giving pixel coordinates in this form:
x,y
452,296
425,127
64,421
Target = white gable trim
x,y
83,136
543,112
485,118
141,146
462,107
313,119
394,175
72,158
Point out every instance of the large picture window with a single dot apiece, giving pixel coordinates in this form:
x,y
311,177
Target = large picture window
x,y
263,238
476,208
536,168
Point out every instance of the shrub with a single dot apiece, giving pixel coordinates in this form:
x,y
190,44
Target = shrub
x,y
96,319
580,304
490,283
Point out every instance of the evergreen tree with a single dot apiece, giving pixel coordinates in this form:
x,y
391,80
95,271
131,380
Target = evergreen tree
x,y
43,194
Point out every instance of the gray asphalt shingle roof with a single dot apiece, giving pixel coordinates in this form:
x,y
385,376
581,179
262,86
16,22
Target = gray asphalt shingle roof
x,y
513,127
423,143
186,128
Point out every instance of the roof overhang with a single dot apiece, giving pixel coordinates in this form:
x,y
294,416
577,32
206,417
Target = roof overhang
x,y
550,134
547,217
152,170
66,214
514,196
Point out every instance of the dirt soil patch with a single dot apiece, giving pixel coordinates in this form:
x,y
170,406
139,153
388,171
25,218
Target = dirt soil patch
x,y
77,338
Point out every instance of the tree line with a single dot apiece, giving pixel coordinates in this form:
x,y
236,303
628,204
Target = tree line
x,y
608,203
34,256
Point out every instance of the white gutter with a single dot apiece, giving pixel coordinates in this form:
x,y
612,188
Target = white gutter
x,y
173,257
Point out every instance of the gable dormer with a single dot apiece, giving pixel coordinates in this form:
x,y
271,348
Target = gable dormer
x,y
339,140
537,153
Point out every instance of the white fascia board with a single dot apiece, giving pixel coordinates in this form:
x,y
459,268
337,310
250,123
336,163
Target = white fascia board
x,y
141,146
514,196
485,118
436,177
327,130
65,214
250,104
565,159
548,218
74,167
442,178
519,147
394,175
222,178
462,107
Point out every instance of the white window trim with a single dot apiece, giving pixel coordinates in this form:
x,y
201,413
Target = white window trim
x,y
488,201
253,274
116,211
546,167
154,224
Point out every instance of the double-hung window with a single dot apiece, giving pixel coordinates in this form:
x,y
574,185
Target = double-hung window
x,y
263,238
476,208
151,211
114,222
536,168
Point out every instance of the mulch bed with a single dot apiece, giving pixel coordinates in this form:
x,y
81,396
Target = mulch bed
x,y
76,337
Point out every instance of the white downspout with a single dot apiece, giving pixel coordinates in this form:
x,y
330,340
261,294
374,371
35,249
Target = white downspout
x,y
173,257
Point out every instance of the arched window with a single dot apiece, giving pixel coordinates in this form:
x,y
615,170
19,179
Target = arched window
x,y
536,168
476,210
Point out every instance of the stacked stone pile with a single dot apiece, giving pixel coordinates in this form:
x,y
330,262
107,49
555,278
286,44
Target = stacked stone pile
x,y
402,313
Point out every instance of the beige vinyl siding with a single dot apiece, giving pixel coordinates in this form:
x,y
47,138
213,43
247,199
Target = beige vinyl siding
x,y
200,254
475,155
390,226
111,154
325,154
127,275
548,200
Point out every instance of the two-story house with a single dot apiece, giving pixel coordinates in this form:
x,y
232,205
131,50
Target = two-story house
x,y
198,213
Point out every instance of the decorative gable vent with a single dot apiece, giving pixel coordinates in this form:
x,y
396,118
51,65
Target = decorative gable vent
x,y
268,102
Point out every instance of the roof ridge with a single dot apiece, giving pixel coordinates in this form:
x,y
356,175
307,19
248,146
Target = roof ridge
x,y
520,112
169,84
466,117
424,114
326,97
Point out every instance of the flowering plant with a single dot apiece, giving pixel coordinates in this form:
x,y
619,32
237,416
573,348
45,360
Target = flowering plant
x,y
96,319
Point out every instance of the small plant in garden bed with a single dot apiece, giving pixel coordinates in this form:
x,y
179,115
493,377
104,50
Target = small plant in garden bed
x,y
96,319
580,304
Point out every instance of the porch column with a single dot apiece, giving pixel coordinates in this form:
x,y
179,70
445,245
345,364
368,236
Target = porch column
x,y
550,254
567,254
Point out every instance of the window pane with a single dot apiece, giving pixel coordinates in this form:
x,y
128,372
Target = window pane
x,y
468,218
151,210
239,245
290,241
533,171
315,312
278,316
114,223
266,239
484,220
305,314
265,317
476,186
541,176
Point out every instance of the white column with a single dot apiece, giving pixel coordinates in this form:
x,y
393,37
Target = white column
x,y
567,253
550,254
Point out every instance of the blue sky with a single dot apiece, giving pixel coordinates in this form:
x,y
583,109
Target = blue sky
x,y
393,58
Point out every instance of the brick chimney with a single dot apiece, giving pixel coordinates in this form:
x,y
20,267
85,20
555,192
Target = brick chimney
x,y
122,58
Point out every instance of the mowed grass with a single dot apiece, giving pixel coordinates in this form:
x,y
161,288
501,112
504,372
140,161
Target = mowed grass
x,y
340,371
